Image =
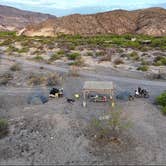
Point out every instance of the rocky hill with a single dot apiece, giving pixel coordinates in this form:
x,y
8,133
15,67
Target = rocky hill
x,y
150,21
15,19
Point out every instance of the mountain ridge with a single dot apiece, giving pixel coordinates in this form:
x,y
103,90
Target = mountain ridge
x,y
150,21
15,19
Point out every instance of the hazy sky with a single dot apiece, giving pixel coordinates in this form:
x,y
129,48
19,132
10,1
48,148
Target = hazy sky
x,y
64,7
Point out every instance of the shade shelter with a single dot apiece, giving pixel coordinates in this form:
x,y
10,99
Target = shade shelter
x,y
101,87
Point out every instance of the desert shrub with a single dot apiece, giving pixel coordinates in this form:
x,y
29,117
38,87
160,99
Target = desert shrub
x,y
5,78
55,57
143,68
53,79
35,79
106,58
38,58
163,110
73,56
23,50
12,49
71,47
119,50
78,62
4,128
6,42
159,61
134,55
89,54
15,67
61,52
111,127
74,71
144,49
156,43
118,61
100,53
143,62
161,99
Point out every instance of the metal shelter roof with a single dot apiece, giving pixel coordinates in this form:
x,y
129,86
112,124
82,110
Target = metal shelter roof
x,y
98,85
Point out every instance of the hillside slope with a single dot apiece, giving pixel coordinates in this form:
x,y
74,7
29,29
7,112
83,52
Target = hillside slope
x,y
150,21
15,19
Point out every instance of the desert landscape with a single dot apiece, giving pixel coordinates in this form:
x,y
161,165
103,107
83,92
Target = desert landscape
x,y
66,52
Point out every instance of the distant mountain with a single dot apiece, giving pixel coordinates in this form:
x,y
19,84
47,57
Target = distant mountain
x,y
151,21
15,19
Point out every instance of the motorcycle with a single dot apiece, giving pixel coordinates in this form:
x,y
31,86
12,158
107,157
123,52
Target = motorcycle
x,y
143,93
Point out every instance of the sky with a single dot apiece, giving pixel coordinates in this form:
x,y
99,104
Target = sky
x,y
66,7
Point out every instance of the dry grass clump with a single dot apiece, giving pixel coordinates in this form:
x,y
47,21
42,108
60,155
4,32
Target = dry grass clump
x,y
53,79
118,61
74,71
36,79
15,67
47,80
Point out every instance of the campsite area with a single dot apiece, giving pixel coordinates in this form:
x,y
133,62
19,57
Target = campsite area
x,y
45,130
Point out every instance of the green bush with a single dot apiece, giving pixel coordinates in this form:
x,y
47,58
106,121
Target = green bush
x,y
61,52
134,55
73,56
161,99
38,58
163,110
159,61
143,68
55,57
4,129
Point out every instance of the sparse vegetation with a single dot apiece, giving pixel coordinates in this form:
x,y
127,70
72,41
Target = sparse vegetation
x,y
143,68
105,130
38,58
55,57
36,79
161,100
4,128
160,61
53,79
134,55
73,56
